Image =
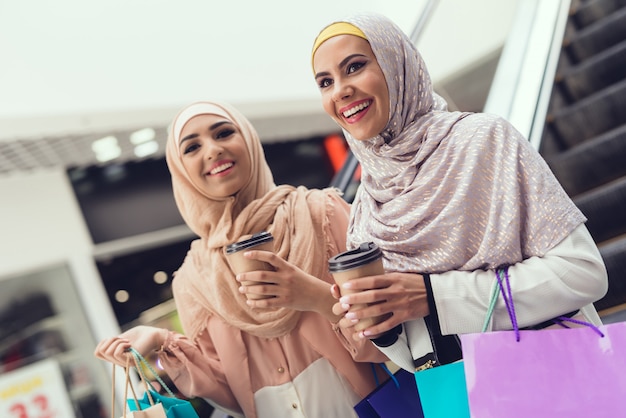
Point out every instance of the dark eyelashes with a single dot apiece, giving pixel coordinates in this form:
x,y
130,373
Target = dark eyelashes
x,y
325,82
350,69
225,133
190,148
355,66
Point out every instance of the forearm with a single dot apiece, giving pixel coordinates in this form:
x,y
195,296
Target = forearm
x,y
568,277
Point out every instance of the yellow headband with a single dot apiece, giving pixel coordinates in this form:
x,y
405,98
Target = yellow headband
x,y
334,29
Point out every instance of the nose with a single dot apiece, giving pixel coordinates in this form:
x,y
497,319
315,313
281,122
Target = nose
x,y
213,149
341,90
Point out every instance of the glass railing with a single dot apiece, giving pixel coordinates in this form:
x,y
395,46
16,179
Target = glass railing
x,y
522,85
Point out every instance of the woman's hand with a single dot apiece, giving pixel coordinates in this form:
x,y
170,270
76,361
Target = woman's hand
x,y
286,287
340,309
142,338
401,296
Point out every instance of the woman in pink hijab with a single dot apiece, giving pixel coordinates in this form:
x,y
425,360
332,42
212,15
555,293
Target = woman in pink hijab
x,y
449,197
280,356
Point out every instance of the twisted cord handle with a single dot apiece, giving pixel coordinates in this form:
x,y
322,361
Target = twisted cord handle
x,y
140,360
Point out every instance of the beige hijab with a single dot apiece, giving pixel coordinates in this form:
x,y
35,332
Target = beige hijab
x,y
204,285
448,190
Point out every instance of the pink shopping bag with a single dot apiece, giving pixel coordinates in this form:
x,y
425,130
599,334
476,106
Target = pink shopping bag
x,y
568,372
548,373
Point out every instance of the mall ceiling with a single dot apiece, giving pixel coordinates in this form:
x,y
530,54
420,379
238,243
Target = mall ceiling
x,y
133,136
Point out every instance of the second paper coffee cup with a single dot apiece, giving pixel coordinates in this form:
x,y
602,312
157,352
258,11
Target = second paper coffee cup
x,y
366,260
239,264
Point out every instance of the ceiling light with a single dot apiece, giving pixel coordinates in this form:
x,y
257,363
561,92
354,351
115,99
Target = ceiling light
x,y
122,296
142,135
147,148
160,277
106,148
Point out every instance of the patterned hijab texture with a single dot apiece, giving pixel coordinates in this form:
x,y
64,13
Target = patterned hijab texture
x,y
204,285
446,190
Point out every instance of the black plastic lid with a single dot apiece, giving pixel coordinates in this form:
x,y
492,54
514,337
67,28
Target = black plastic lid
x,y
256,239
364,254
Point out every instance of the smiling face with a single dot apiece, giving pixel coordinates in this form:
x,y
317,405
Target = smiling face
x,y
353,86
214,154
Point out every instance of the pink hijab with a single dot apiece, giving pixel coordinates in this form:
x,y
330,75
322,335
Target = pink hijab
x,y
204,285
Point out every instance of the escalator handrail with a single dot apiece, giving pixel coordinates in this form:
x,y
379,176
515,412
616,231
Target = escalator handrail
x,y
521,88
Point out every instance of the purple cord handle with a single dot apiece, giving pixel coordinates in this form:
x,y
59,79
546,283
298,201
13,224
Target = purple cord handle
x,y
560,320
508,301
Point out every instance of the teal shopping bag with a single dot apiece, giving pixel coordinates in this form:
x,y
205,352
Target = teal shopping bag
x,y
443,389
174,407
443,392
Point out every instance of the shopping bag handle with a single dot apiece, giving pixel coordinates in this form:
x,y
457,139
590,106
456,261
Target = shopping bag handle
x,y
126,385
508,297
502,276
492,305
141,361
561,320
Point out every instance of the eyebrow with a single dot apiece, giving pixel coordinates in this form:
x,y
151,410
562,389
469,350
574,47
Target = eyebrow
x,y
341,64
211,128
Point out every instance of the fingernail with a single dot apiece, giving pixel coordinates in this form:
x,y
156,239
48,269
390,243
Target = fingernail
x,y
351,315
347,285
344,300
345,306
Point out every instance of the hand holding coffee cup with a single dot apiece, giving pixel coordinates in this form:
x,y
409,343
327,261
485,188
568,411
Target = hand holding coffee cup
x,y
366,260
263,241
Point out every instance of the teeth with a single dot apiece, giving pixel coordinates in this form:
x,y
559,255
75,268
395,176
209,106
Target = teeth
x,y
355,109
221,168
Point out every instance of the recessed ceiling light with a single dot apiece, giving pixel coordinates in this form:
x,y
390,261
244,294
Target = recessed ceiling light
x,y
106,148
147,148
122,296
160,277
142,135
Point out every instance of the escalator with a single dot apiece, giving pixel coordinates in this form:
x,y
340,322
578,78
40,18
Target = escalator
x,y
584,136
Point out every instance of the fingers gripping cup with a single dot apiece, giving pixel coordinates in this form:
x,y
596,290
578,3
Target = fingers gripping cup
x,y
366,260
263,241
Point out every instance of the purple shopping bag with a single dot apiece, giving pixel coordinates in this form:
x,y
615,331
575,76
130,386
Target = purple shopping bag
x,y
396,398
562,372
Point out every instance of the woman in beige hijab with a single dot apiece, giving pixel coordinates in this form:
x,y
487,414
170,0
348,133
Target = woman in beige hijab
x,y
280,356
449,197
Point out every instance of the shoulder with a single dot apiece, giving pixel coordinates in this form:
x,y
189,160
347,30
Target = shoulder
x,y
485,124
328,196
477,130
335,201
